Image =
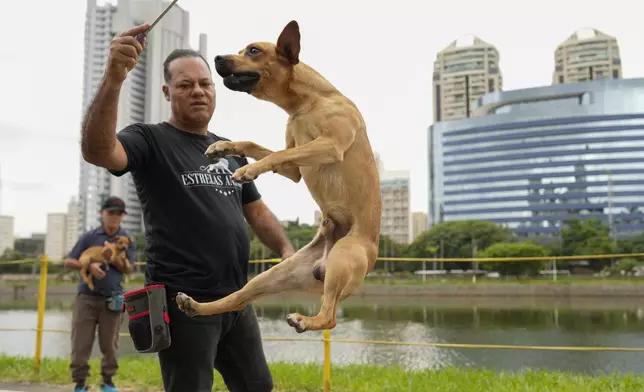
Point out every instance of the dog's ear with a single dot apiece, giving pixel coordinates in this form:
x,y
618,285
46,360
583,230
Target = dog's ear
x,y
288,43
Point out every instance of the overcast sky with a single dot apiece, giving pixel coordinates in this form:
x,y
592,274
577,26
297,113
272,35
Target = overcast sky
x,y
380,54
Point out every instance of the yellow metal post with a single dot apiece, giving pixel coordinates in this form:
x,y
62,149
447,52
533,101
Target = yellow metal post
x,y
42,297
326,372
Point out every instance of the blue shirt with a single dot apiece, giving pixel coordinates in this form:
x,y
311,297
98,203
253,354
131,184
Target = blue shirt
x,y
113,278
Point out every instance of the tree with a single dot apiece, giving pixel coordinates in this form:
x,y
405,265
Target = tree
x,y
634,244
14,255
29,247
390,248
587,237
515,250
458,239
300,234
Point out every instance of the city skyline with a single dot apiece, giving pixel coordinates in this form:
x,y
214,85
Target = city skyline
x,y
399,108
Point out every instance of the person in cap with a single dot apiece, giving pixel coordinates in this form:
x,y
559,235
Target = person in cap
x,y
99,308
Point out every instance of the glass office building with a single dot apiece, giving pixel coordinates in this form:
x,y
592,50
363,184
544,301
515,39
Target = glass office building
x,y
531,159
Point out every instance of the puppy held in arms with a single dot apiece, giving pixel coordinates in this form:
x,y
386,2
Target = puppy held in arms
x,y
108,252
327,145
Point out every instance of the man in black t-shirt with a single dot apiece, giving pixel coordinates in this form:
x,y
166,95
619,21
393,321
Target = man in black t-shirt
x,y
194,216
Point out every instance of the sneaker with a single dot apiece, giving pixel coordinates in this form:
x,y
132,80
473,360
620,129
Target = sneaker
x,y
108,388
81,388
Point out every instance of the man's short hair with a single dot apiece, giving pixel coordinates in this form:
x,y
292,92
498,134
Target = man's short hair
x,y
178,53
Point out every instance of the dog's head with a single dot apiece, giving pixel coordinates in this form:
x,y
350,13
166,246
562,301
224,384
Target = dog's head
x,y
122,243
262,69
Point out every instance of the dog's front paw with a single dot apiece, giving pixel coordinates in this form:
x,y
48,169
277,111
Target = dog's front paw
x,y
107,252
186,305
220,150
246,173
297,321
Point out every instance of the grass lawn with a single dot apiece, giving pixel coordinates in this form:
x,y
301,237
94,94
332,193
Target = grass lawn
x,y
397,281
141,373
565,280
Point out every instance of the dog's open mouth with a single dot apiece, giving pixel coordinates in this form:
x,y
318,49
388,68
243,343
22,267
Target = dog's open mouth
x,y
242,81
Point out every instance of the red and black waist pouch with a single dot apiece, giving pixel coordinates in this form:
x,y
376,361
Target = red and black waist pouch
x,y
149,322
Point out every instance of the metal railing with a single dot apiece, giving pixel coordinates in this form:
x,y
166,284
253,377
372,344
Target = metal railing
x,y
326,337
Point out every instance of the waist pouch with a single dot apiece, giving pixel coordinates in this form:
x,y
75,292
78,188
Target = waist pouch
x,y
149,322
115,302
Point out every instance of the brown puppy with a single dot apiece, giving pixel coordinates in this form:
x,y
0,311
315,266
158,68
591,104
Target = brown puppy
x,y
328,146
118,248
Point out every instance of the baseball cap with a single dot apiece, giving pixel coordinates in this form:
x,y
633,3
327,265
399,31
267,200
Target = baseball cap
x,y
113,203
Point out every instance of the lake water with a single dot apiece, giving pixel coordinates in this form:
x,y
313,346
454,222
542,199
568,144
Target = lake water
x,y
617,323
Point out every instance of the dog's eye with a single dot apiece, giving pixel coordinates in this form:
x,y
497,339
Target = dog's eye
x,y
253,51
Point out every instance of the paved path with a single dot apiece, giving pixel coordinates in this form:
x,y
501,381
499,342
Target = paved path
x,y
5,387
16,387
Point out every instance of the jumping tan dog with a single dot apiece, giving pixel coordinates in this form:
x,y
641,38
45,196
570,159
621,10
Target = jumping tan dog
x,y
328,146
118,248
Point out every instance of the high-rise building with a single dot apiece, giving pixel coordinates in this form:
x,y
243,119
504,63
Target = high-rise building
x,y
62,231
587,54
317,217
418,223
203,45
71,224
532,159
463,72
140,100
56,236
395,220
6,233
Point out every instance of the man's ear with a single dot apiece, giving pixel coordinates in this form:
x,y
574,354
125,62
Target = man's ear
x,y
166,92
288,43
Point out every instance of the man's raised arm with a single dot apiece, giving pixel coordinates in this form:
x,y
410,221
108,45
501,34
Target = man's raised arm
x,y
99,144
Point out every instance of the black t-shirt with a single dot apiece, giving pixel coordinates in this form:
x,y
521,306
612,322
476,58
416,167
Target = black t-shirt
x,y
197,238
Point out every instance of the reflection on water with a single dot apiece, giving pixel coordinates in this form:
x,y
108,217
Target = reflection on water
x,y
589,324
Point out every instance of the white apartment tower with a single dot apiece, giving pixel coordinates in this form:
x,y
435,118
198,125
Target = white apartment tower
x,y
395,221
587,54
464,71
56,236
72,224
6,233
62,231
418,224
141,99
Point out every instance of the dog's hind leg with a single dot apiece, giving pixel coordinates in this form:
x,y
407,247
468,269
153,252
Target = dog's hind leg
x,y
294,273
344,273
85,274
